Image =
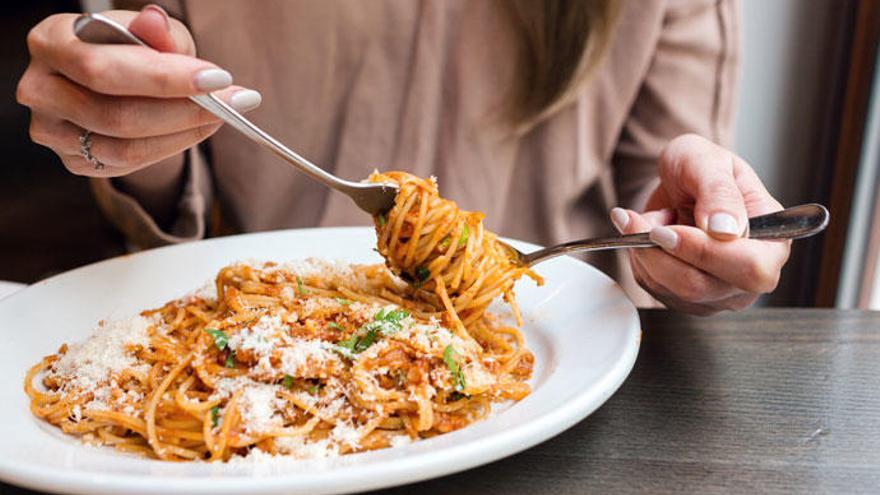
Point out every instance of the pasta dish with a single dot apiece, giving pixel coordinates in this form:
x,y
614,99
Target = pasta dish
x,y
307,359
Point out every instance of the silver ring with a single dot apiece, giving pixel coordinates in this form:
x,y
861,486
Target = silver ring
x,y
85,149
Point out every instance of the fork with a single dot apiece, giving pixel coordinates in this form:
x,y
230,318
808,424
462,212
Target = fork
x,y
373,198
796,222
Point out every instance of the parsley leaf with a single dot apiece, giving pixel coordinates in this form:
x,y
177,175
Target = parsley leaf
x,y
381,219
384,322
465,232
230,359
422,273
215,416
388,322
349,343
336,326
299,286
366,341
219,336
314,389
287,382
450,357
455,396
444,243
343,301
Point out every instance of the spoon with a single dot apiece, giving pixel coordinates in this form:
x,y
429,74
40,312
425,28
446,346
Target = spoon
x,y
796,222
373,198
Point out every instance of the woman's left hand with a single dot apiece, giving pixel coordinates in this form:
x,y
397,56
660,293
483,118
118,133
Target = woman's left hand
x,y
698,215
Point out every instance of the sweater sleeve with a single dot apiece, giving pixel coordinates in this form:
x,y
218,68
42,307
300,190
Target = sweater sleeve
x,y
690,87
190,214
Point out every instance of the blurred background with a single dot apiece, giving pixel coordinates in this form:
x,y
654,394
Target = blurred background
x,y
808,121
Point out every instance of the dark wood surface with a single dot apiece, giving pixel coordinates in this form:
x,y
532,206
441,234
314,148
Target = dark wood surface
x,y
764,401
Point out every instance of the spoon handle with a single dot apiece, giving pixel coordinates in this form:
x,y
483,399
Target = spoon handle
x,y
796,222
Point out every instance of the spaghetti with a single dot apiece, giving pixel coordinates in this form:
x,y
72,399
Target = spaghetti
x,y
307,360
428,241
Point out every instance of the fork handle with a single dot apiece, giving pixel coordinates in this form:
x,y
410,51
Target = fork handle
x,y
791,223
99,29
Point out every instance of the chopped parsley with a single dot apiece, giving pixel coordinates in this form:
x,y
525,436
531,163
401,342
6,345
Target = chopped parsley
x,y
359,343
343,301
336,326
287,382
230,359
299,286
220,338
465,232
381,219
385,322
450,357
366,341
388,322
314,389
444,243
422,273
455,396
215,416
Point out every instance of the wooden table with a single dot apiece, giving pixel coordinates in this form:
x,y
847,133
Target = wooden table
x,y
765,401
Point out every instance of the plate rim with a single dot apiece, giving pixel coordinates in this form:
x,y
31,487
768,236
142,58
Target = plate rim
x,y
457,458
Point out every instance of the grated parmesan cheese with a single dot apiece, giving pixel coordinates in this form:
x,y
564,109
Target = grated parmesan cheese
x,y
347,434
300,448
107,352
260,338
259,406
303,356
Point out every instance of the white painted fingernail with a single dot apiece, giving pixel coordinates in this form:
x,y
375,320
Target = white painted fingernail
x,y
246,99
620,219
723,223
664,237
213,79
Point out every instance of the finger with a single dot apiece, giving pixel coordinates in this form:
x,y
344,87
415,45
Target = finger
x,y
122,116
758,201
153,26
748,264
156,28
695,170
671,301
119,156
675,276
620,218
122,69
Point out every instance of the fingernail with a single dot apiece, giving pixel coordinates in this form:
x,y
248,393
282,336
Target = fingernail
x,y
160,11
620,219
664,237
213,79
723,223
246,99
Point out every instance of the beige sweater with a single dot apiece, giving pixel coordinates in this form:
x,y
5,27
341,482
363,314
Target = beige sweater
x,y
412,85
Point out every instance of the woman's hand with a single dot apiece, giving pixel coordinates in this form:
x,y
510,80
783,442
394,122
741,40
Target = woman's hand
x,y
131,98
699,215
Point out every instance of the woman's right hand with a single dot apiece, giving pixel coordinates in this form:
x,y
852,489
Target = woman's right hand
x,y
131,98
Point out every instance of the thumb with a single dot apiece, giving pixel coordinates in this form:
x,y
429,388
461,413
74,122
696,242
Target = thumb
x,y
153,26
695,170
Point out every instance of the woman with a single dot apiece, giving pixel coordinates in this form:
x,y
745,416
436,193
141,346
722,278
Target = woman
x,y
544,115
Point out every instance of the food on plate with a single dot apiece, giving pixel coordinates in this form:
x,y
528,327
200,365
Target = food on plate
x,y
307,359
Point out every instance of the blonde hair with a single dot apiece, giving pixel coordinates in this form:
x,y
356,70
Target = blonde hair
x,y
562,42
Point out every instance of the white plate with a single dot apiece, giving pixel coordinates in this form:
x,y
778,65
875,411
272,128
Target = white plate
x,y
582,329
8,288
